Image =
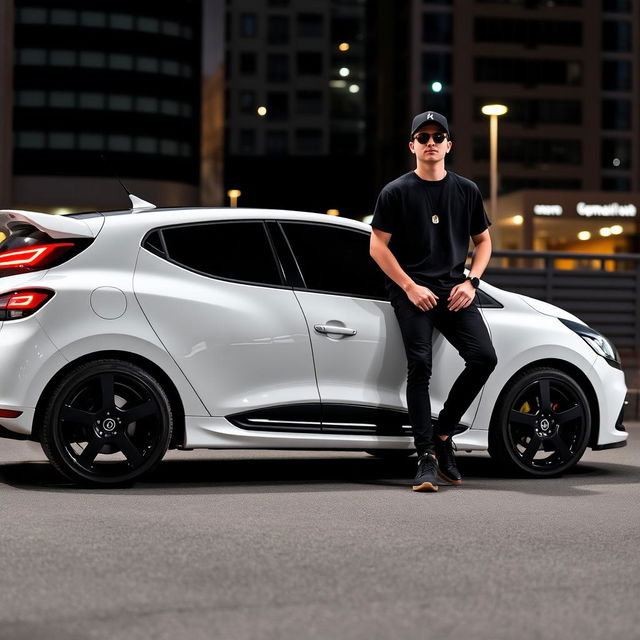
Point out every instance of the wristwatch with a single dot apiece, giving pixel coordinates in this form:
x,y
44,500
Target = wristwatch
x,y
475,282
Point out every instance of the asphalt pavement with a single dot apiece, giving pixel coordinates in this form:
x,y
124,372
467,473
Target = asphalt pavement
x,y
300,545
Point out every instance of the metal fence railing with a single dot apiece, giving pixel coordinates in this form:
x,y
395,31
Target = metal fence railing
x,y
601,289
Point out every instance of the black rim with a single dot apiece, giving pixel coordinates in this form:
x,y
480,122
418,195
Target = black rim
x,y
547,425
110,425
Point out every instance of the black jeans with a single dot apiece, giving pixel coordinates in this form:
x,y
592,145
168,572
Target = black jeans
x,y
466,331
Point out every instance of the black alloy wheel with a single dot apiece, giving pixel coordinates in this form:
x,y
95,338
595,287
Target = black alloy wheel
x,y
107,422
541,425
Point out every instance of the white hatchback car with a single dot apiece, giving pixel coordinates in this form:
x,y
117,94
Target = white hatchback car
x,y
130,332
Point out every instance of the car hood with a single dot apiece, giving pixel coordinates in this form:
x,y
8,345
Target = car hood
x,y
550,309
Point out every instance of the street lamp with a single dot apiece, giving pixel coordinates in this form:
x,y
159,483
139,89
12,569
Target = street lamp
x,y
234,194
493,111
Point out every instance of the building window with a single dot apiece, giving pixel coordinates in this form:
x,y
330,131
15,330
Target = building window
x,y
62,58
32,56
93,19
529,33
278,105
62,99
66,17
92,101
309,102
61,140
248,25
616,35
121,61
145,104
616,75
616,114
617,6
149,25
119,143
170,107
120,103
309,141
31,15
90,141
617,183
31,98
436,67
531,151
310,25
247,101
277,143
147,64
169,147
437,28
247,141
528,71
248,63
278,67
146,144
30,140
616,153
278,29
93,59
170,67
121,21
309,63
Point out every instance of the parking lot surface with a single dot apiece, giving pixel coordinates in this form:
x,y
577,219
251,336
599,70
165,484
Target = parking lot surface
x,y
284,545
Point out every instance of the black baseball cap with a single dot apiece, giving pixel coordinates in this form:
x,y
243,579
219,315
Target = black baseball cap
x,y
429,117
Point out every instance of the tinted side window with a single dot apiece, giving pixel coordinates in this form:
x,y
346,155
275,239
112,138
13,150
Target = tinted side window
x,y
335,260
233,250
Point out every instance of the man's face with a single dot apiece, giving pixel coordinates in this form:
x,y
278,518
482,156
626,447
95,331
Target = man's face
x,y
429,150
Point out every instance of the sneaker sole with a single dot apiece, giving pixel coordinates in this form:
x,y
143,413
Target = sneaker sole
x,y
425,486
457,483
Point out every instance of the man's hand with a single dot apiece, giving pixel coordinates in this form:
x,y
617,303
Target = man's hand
x,y
461,296
422,297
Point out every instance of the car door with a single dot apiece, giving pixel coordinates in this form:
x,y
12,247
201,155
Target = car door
x,y
214,294
357,347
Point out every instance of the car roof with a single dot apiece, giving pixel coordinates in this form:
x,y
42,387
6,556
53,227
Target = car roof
x,y
152,218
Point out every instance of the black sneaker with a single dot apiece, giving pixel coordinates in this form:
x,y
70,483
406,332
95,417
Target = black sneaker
x,y
447,468
427,477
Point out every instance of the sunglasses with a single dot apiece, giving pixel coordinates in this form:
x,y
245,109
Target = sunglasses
x,y
424,137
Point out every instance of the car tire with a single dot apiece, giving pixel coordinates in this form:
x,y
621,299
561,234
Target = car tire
x,y
541,425
106,422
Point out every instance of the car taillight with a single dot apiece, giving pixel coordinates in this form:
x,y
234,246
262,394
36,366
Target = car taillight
x,y
32,258
20,304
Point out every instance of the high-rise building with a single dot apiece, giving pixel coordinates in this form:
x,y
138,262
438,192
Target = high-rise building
x,y
568,72
296,104
566,69
89,79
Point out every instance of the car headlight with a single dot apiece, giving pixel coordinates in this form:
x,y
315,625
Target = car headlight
x,y
601,345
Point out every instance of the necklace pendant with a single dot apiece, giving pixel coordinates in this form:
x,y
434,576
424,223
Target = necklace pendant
x,y
435,219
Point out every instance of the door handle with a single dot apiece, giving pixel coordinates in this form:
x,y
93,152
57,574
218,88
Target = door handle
x,y
331,328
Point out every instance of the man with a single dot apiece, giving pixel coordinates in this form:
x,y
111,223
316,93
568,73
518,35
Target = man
x,y
421,229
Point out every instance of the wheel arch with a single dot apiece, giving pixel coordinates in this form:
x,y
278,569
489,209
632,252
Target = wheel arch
x,y
170,389
577,374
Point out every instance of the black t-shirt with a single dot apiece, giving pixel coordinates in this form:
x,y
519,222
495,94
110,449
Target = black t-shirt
x,y
430,223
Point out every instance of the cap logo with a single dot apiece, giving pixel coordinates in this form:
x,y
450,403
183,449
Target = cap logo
x,y
429,116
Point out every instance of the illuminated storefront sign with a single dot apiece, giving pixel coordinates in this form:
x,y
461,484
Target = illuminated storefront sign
x,y
606,210
611,210
547,210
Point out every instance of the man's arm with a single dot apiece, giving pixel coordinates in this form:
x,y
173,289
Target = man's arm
x,y
462,295
422,297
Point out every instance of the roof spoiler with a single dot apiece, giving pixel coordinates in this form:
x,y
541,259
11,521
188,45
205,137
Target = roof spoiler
x,y
55,226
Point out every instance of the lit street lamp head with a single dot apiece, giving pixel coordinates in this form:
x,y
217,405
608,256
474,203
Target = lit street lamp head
x,y
494,109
